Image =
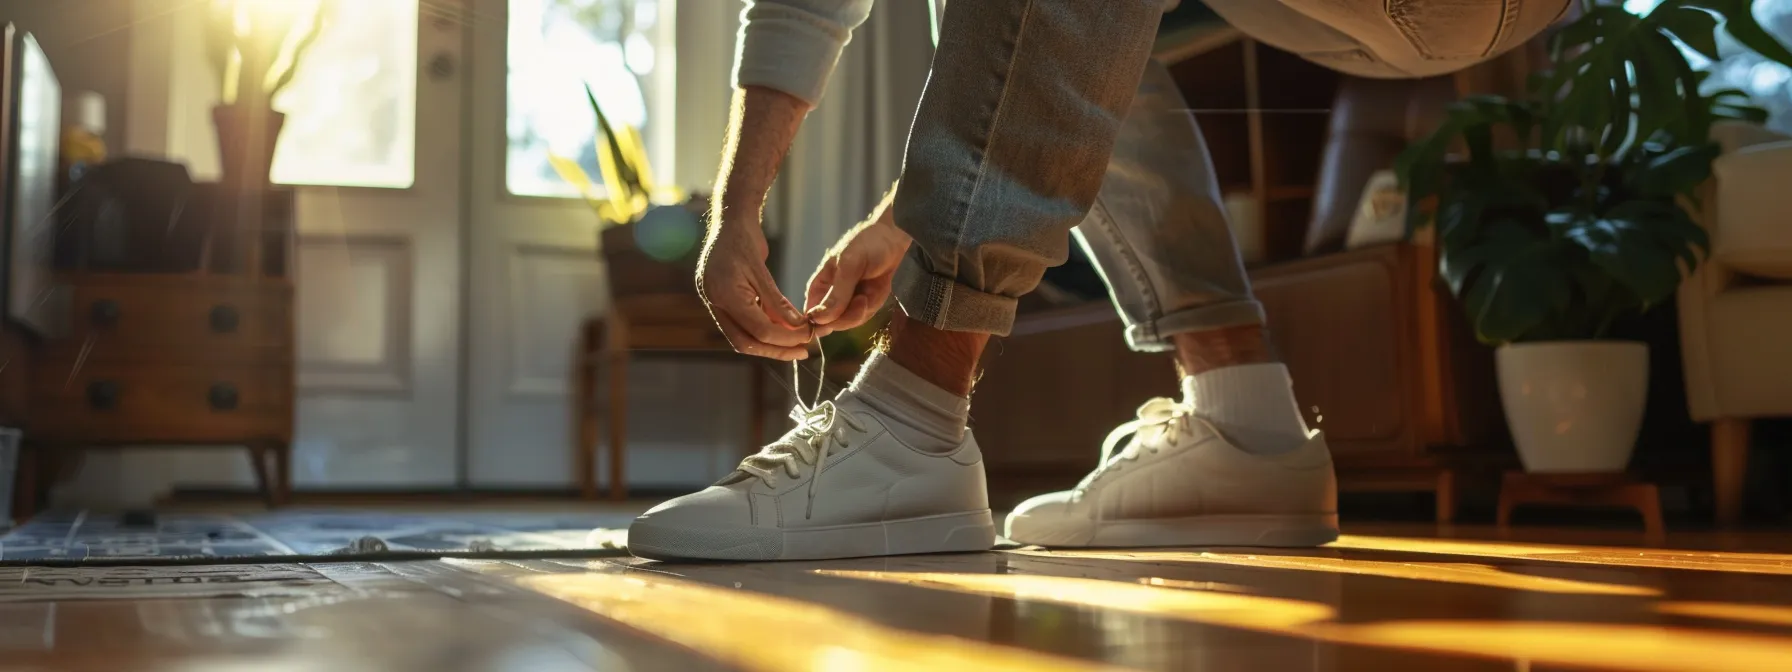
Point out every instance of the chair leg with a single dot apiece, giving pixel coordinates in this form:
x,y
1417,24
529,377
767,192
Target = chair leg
x,y
1446,497
618,411
584,409
1729,467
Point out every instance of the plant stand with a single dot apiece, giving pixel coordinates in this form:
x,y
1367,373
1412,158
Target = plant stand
x,y
1611,490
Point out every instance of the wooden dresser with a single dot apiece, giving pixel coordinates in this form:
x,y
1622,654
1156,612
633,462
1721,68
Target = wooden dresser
x,y
197,358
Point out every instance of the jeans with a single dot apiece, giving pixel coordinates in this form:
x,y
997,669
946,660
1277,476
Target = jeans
x,y
1021,135
1046,116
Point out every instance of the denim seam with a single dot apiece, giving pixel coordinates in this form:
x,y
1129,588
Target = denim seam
x,y
989,140
1135,268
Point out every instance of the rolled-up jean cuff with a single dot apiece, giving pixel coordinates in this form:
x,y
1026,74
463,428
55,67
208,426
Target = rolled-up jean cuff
x,y
1154,336
944,303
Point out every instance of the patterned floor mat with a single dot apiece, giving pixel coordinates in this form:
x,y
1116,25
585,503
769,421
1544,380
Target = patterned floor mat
x,y
83,538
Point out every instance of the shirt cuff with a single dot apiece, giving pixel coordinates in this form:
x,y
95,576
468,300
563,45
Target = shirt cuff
x,y
787,49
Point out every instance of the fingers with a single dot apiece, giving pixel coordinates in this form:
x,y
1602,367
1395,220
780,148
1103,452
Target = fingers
x,y
757,320
819,284
746,343
873,293
857,312
772,300
848,271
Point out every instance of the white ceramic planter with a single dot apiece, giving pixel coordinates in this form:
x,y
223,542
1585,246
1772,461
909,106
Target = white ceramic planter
x,y
1574,406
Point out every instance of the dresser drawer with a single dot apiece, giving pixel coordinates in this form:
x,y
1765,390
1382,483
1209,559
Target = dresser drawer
x,y
150,403
156,314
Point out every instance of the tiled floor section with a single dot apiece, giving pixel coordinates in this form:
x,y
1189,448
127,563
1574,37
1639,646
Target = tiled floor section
x,y
1381,599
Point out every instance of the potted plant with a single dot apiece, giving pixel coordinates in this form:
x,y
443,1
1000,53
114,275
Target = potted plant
x,y
1562,211
649,232
255,47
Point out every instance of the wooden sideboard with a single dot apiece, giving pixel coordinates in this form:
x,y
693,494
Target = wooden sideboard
x,y
203,357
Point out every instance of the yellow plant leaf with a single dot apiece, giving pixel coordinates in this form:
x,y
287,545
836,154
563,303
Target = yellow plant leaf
x,y
634,150
570,171
615,188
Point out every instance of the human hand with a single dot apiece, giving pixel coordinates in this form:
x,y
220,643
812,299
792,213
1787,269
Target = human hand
x,y
744,299
854,279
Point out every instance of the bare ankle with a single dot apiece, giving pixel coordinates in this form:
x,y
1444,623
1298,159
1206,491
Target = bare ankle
x,y
945,358
1201,351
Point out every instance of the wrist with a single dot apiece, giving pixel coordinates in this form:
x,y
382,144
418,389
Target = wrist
x,y
737,212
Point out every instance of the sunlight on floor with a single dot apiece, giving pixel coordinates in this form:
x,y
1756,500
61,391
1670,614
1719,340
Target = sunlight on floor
x,y
1450,572
1723,561
763,632
1618,646
1746,613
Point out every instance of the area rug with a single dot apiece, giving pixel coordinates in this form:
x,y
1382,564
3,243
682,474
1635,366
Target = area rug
x,y
308,536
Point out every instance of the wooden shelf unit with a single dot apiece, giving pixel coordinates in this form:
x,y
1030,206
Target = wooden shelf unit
x,y
1264,114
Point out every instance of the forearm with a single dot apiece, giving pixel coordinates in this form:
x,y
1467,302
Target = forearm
x,y
762,124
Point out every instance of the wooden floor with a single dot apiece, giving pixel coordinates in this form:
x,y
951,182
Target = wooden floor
x,y
1380,599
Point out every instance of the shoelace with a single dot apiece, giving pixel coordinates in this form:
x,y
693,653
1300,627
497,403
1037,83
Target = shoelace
x,y
1159,418
819,426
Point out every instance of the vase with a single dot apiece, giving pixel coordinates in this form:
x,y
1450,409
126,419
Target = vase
x,y
247,136
1574,406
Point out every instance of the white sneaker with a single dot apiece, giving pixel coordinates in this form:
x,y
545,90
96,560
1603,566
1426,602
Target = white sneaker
x,y
1179,483
875,496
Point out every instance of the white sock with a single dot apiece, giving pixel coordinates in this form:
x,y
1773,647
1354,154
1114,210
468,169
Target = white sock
x,y
1252,405
920,414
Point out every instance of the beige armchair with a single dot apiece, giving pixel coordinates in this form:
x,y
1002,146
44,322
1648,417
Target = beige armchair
x,y
1736,310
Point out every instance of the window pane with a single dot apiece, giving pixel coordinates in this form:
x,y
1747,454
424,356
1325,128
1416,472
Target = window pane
x,y
620,48
351,110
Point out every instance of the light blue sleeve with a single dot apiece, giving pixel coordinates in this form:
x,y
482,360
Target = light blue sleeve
x,y
793,45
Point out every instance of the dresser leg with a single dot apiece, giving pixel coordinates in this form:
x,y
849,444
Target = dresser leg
x,y
258,462
283,467
272,461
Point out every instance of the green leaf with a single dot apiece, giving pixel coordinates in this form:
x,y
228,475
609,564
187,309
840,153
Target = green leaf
x,y
1696,27
1747,113
1669,225
1626,251
1740,23
1462,259
1513,297
1617,132
1679,171
1697,121
1658,93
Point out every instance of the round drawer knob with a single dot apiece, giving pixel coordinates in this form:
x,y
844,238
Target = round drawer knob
x,y
105,312
102,395
224,319
223,397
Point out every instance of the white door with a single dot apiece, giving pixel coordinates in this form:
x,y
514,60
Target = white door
x,y
533,265
373,142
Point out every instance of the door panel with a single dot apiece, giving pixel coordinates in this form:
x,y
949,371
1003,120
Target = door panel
x,y
535,273
379,250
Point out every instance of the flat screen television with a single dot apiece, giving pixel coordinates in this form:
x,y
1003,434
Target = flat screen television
x,y
30,139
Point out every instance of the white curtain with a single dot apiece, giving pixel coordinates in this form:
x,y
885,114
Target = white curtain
x,y
850,148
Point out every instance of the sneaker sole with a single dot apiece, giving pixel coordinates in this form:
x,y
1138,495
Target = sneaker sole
x,y
949,533
1273,531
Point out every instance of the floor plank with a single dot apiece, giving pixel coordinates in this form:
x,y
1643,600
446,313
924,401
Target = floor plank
x,y
1382,598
